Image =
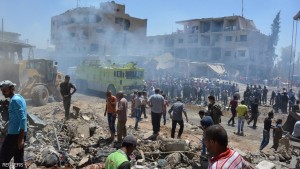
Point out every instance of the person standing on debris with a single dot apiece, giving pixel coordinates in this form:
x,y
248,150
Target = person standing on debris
x,y
277,134
296,131
177,108
137,109
120,158
241,110
205,122
266,131
65,91
166,104
214,110
254,113
13,145
110,110
233,105
216,140
144,104
122,116
156,102
296,107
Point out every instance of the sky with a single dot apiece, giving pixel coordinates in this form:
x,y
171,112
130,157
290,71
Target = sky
x,y
31,18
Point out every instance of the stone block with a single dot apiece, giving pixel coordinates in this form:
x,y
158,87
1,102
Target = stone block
x,y
265,165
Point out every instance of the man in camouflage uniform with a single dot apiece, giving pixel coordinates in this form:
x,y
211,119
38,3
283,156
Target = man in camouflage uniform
x,y
214,110
65,90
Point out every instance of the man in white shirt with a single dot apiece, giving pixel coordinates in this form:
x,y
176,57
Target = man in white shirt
x,y
296,132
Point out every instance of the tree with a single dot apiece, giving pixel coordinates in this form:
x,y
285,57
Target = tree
x,y
274,37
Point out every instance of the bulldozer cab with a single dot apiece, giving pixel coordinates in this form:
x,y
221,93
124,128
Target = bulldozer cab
x,y
45,68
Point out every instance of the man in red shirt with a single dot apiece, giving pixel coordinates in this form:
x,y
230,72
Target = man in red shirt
x,y
216,141
110,110
233,105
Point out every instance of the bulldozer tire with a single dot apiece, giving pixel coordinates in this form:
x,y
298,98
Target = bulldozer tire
x,y
40,95
112,89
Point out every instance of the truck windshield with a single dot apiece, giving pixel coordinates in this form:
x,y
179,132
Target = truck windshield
x,y
134,74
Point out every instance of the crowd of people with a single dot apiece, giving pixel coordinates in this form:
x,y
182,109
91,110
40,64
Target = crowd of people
x,y
194,90
215,137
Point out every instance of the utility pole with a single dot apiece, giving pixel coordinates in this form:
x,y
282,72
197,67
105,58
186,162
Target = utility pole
x,y
2,30
296,18
242,8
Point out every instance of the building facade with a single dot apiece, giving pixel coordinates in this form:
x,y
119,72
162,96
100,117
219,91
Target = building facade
x,y
233,41
102,31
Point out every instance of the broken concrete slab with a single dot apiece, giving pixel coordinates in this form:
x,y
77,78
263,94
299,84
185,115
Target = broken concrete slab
x,y
83,161
294,162
36,121
83,131
174,145
265,165
172,160
74,151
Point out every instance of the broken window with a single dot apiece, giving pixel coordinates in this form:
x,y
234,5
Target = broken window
x,y
94,47
215,39
241,53
180,40
243,38
169,42
126,24
118,21
98,18
193,39
195,29
227,53
205,40
216,53
228,38
205,27
217,26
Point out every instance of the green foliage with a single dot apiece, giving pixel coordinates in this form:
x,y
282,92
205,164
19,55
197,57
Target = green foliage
x,y
274,37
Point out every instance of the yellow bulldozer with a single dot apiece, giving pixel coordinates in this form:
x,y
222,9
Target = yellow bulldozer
x,y
36,79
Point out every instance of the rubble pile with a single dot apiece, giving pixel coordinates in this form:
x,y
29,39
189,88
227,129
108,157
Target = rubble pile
x,y
82,143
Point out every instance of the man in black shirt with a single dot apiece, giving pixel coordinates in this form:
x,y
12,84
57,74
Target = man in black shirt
x,y
266,131
254,113
65,91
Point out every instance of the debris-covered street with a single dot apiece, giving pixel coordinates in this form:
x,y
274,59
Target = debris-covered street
x,y
82,140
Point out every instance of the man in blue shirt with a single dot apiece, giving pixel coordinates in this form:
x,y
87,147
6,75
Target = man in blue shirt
x,y
13,145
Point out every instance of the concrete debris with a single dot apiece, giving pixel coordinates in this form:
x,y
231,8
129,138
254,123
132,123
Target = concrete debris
x,y
174,145
265,165
36,121
83,143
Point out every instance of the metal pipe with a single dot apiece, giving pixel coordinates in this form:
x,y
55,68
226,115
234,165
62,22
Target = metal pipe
x,y
294,53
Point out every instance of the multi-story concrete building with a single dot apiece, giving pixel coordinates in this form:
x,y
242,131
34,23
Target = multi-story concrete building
x,y
233,40
102,31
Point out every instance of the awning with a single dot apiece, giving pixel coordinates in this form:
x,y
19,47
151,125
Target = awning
x,y
219,69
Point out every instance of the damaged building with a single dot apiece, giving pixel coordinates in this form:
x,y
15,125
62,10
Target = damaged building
x,y
104,31
234,41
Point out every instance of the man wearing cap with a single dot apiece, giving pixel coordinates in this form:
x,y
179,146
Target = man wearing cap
x,y
120,158
65,90
13,145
